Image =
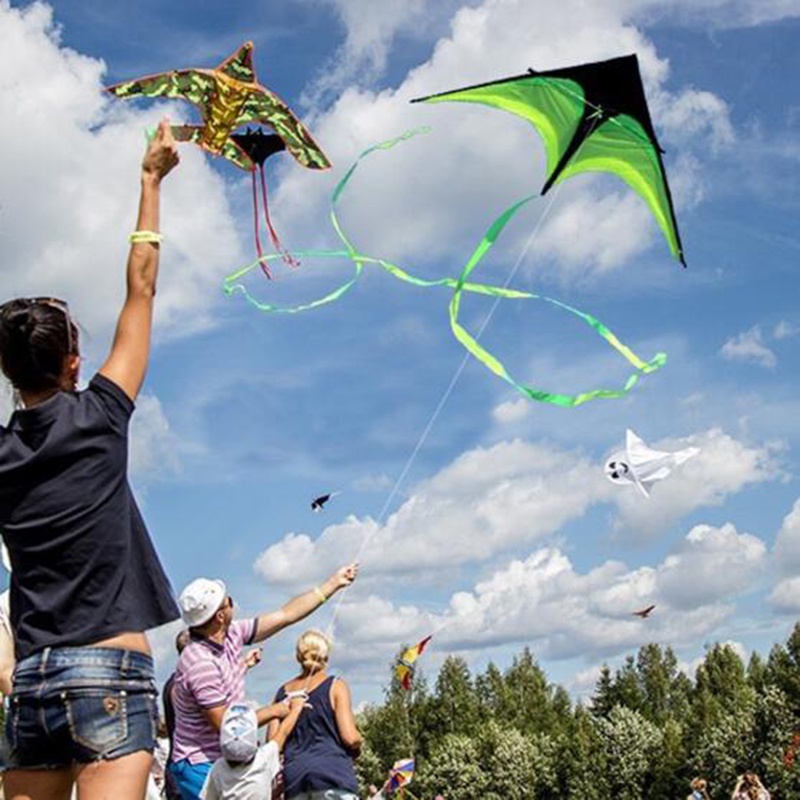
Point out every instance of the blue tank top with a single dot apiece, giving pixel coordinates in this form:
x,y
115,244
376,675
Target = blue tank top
x,y
314,756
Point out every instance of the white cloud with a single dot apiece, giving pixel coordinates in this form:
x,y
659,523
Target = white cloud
x,y
749,346
785,330
583,683
786,595
697,113
711,564
544,601
496,499
725,13
487,501
154,449
787,543
70,181
373,483
444,190
370,30
512,411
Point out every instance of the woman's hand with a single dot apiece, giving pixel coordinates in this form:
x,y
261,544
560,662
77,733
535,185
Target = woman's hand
x,y
162,153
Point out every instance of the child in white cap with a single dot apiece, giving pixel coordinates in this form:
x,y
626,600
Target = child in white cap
x,y
246,771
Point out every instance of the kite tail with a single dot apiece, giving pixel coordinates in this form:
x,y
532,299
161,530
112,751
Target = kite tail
x,y
261,260
286,256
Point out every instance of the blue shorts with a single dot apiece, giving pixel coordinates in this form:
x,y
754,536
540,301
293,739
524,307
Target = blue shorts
x,y
189,778
80,704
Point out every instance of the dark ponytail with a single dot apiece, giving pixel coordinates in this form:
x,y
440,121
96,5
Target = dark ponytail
x,y
35,338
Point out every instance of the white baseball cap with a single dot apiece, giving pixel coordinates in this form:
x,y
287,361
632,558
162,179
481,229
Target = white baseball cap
x,y
200,600
238,734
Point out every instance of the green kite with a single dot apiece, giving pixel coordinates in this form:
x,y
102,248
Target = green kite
x,y
592,118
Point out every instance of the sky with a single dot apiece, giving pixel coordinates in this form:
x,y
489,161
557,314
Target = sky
x,y
476,514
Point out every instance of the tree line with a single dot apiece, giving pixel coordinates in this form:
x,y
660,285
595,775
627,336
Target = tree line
x,y
647,731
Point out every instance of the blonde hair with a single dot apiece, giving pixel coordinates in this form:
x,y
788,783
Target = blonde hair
x,y
313,651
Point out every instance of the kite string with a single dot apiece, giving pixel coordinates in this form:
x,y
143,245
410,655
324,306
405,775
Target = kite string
x,y
441,404
446,396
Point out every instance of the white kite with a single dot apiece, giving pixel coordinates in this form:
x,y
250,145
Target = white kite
x,y
642,466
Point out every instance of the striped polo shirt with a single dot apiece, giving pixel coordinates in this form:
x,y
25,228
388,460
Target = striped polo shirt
x,y
208,675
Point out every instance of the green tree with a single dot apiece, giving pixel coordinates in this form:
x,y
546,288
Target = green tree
x,y
509,760
631,744
603,699
388,727
530,694
581,759
369,768
454,707
626,690
671,768
454,770
774,727
656,670
493,695
783,669
756,672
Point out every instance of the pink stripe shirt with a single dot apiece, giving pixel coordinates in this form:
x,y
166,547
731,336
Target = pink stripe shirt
x,y
208,675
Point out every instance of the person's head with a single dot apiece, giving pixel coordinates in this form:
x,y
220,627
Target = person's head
x,y
751,784
182,639
313,651
39,345
238,734
698,787
206,607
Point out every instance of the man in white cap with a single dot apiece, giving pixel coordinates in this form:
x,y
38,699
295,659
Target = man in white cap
x,y
211,671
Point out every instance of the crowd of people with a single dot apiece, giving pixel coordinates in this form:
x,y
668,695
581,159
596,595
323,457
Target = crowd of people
x,y
213,730
86,584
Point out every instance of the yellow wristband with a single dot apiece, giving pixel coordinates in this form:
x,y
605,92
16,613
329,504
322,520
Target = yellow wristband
x,y
138,237
320,594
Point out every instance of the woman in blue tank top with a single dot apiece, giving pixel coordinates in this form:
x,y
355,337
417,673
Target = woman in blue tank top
x,y
318,755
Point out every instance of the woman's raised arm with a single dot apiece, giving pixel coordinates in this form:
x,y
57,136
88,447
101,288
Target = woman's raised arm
x,y
126,364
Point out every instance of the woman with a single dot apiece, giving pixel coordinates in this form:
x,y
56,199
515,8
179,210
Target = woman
x,y
318,755
86,581
749,787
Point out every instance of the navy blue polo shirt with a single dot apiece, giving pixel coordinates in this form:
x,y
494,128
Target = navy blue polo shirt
x,y
84,567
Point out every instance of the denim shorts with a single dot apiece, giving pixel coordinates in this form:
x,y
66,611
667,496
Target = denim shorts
x,y
80,704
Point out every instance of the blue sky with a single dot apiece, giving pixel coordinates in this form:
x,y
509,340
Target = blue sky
x,y
503,531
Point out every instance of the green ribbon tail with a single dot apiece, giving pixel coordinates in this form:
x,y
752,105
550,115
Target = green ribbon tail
x,y
233,283
497,367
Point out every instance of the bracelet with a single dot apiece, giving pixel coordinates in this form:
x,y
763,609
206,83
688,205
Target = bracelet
x,y
320,594
138,237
